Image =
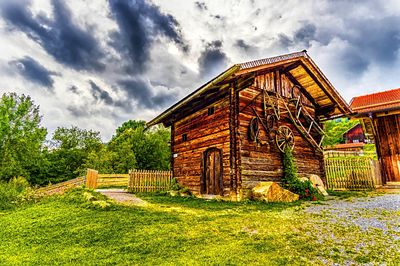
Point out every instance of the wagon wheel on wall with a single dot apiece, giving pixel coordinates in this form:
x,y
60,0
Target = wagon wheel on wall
x,y
284,138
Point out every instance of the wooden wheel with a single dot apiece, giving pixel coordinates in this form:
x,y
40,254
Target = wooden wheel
x,y
284,138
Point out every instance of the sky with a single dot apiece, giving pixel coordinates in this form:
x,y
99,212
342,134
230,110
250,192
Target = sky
x,y
96,64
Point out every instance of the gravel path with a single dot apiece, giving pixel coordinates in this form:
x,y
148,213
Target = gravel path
x,y
122,196
365,212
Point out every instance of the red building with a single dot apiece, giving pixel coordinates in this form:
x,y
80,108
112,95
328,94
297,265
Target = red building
x,y
380,117
354,135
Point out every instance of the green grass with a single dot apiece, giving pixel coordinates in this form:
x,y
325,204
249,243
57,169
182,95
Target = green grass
x,y
173,230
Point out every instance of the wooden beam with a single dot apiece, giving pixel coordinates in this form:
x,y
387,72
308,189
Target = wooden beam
x,y
303,90
291,67
315,79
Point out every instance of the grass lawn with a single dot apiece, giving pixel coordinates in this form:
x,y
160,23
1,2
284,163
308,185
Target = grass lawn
x,y
172,230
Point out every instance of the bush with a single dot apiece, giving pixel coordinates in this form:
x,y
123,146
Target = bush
x,y
291,180
177,189
14,192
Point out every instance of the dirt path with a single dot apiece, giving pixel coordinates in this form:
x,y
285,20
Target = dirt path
x,y
122,196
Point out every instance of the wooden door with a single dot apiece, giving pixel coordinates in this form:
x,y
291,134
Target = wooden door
x,y
388,143
211,182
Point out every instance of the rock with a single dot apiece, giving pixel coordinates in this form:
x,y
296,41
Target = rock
x,y
316,181
272,192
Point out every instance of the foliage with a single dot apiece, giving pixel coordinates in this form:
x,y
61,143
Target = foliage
x,y
130,124
291,180
14,192
133,147
335,129
65,158
177,189
76,138
21,136
189,231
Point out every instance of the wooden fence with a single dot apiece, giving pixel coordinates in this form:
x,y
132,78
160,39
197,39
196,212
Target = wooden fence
x,y
60,188
149,181
135,180
352,173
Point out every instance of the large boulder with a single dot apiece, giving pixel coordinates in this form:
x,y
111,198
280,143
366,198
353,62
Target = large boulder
x,y
273,192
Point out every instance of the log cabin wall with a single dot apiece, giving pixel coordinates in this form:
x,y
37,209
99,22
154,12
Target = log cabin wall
x,y
203,131
388,145
262,161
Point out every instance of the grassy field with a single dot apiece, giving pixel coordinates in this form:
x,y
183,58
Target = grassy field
x,y
84,228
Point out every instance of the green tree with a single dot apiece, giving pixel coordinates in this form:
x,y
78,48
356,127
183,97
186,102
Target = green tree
x,y
66,157
21,136
130,124
335,129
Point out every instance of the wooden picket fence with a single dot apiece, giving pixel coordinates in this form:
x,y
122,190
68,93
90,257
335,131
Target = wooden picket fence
x,y
352,173
149,181
135,180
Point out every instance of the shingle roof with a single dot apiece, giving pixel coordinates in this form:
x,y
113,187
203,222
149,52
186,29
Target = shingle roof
x,y
271,60
376,102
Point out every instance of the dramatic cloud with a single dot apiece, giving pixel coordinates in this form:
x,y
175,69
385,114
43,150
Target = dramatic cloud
x,y
32,70
61,37
212,59
99,94
143,94
96,64
139,24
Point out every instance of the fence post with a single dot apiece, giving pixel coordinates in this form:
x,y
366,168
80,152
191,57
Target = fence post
x,y
91,178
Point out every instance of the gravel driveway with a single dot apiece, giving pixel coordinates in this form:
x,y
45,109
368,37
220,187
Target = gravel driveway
x,y
365,212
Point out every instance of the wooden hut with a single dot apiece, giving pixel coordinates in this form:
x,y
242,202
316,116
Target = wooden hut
x,y
229,134
355,134
380,117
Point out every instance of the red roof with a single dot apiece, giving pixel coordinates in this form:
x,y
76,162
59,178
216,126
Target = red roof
x,y
376,102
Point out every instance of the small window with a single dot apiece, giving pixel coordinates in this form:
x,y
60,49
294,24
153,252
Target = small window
x,y
184,137
211,110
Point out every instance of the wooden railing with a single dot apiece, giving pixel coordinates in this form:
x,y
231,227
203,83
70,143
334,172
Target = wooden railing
x,y
149,181
135,180
60,188
352,173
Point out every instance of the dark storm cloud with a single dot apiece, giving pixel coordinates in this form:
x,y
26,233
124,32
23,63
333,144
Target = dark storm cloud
x,y
32,70
212,59
305,34
99,94
201,6
243,45
140,91
139,23
61,37
367,41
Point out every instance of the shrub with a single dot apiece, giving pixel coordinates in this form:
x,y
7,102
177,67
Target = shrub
x,y
291,180
177,189
14,192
